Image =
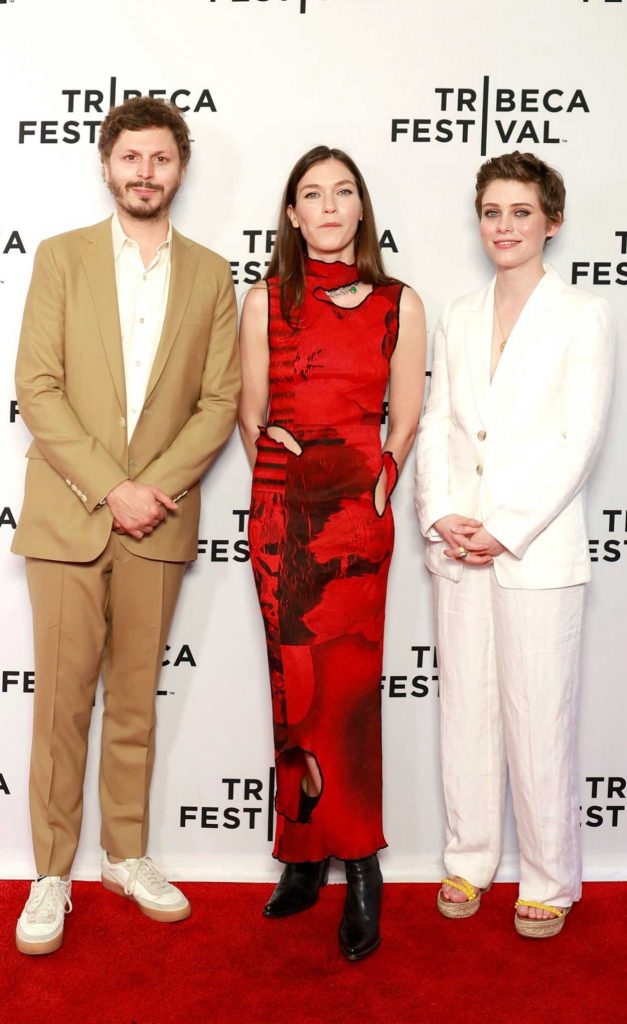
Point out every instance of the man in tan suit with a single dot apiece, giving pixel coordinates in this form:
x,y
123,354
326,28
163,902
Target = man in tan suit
x,y
128,379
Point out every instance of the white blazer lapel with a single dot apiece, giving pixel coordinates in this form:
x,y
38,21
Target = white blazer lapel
x,y
532,333
479,326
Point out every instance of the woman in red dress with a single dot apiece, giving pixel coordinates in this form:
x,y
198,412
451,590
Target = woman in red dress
x,y
321,338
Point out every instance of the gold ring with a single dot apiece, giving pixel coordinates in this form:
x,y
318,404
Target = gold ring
x,y
462,553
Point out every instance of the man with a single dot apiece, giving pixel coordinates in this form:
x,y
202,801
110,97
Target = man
x,y
128,379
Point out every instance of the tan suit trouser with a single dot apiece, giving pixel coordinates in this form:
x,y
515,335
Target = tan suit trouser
x,y
114,612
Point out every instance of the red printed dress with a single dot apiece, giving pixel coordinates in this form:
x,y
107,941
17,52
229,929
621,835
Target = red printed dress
x,y
320,554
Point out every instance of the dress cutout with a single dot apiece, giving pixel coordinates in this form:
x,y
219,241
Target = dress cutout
x,y
320,554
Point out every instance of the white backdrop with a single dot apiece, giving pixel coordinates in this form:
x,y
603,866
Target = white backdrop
x,y
417,93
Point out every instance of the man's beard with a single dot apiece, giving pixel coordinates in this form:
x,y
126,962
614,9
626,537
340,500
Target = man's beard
x,y
142,211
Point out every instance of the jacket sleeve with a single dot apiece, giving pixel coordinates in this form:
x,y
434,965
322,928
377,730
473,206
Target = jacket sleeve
x,y
78,458
196,445
432,492
547,486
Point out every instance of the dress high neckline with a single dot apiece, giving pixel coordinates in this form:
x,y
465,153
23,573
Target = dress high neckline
x,y
330,275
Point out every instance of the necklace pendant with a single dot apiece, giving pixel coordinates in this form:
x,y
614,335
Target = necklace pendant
x,y
502,345
342,290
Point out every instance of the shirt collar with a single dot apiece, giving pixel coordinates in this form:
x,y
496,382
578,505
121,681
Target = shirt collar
x,y
120,239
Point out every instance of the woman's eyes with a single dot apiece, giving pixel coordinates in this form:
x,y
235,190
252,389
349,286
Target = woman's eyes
x,y
495,213
340,192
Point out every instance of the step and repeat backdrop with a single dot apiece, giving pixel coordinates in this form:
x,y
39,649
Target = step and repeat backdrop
x,y
419,94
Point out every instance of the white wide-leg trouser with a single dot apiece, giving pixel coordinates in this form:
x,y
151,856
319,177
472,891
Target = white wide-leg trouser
x,y
509,672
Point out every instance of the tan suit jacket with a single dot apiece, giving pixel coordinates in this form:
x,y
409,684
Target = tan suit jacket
x,y
71,394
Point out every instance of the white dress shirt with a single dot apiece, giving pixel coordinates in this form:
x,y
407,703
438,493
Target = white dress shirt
x,y
142,300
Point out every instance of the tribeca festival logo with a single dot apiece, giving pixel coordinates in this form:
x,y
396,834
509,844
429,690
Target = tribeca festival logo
x,y
226,549
610,545
10,243
608,794
493,115
600,272
7,517
174,656
412,683
247,803
99,101
15,680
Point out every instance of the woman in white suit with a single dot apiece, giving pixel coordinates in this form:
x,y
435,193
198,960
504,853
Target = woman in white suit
x,y
521,379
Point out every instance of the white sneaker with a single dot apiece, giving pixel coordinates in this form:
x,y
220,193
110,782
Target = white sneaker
x,y
40,926
138,879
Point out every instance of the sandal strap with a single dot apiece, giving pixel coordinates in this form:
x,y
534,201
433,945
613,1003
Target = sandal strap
x,y
463,886
558,911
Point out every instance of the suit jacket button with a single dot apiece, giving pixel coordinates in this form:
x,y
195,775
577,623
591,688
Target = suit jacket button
x,y
122,421
479,470
482,435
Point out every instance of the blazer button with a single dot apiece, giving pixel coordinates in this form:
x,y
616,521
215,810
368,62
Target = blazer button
x,y
122,421
482,435
479,470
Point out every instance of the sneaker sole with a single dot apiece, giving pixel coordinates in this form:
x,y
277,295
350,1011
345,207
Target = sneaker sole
x,y
39,948
165,916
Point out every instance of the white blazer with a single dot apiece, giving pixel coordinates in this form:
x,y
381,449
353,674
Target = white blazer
x,y
515,453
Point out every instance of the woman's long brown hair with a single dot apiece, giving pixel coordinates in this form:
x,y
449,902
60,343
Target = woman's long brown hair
x,y
288,258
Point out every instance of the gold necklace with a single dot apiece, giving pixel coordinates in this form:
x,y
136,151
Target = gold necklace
x,y
505,340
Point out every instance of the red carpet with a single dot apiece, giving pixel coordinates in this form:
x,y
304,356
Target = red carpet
x,y
228,965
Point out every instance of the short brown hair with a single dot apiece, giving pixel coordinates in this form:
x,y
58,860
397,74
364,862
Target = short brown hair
x,y
528,168
138,114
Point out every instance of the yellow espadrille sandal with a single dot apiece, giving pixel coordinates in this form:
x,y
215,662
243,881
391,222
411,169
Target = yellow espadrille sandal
x,y
535,928
466,908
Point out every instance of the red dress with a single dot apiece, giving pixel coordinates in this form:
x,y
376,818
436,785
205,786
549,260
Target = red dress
x,y
320,554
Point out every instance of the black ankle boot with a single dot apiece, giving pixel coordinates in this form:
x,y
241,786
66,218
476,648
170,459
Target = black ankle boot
x,y
298,889
359,930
